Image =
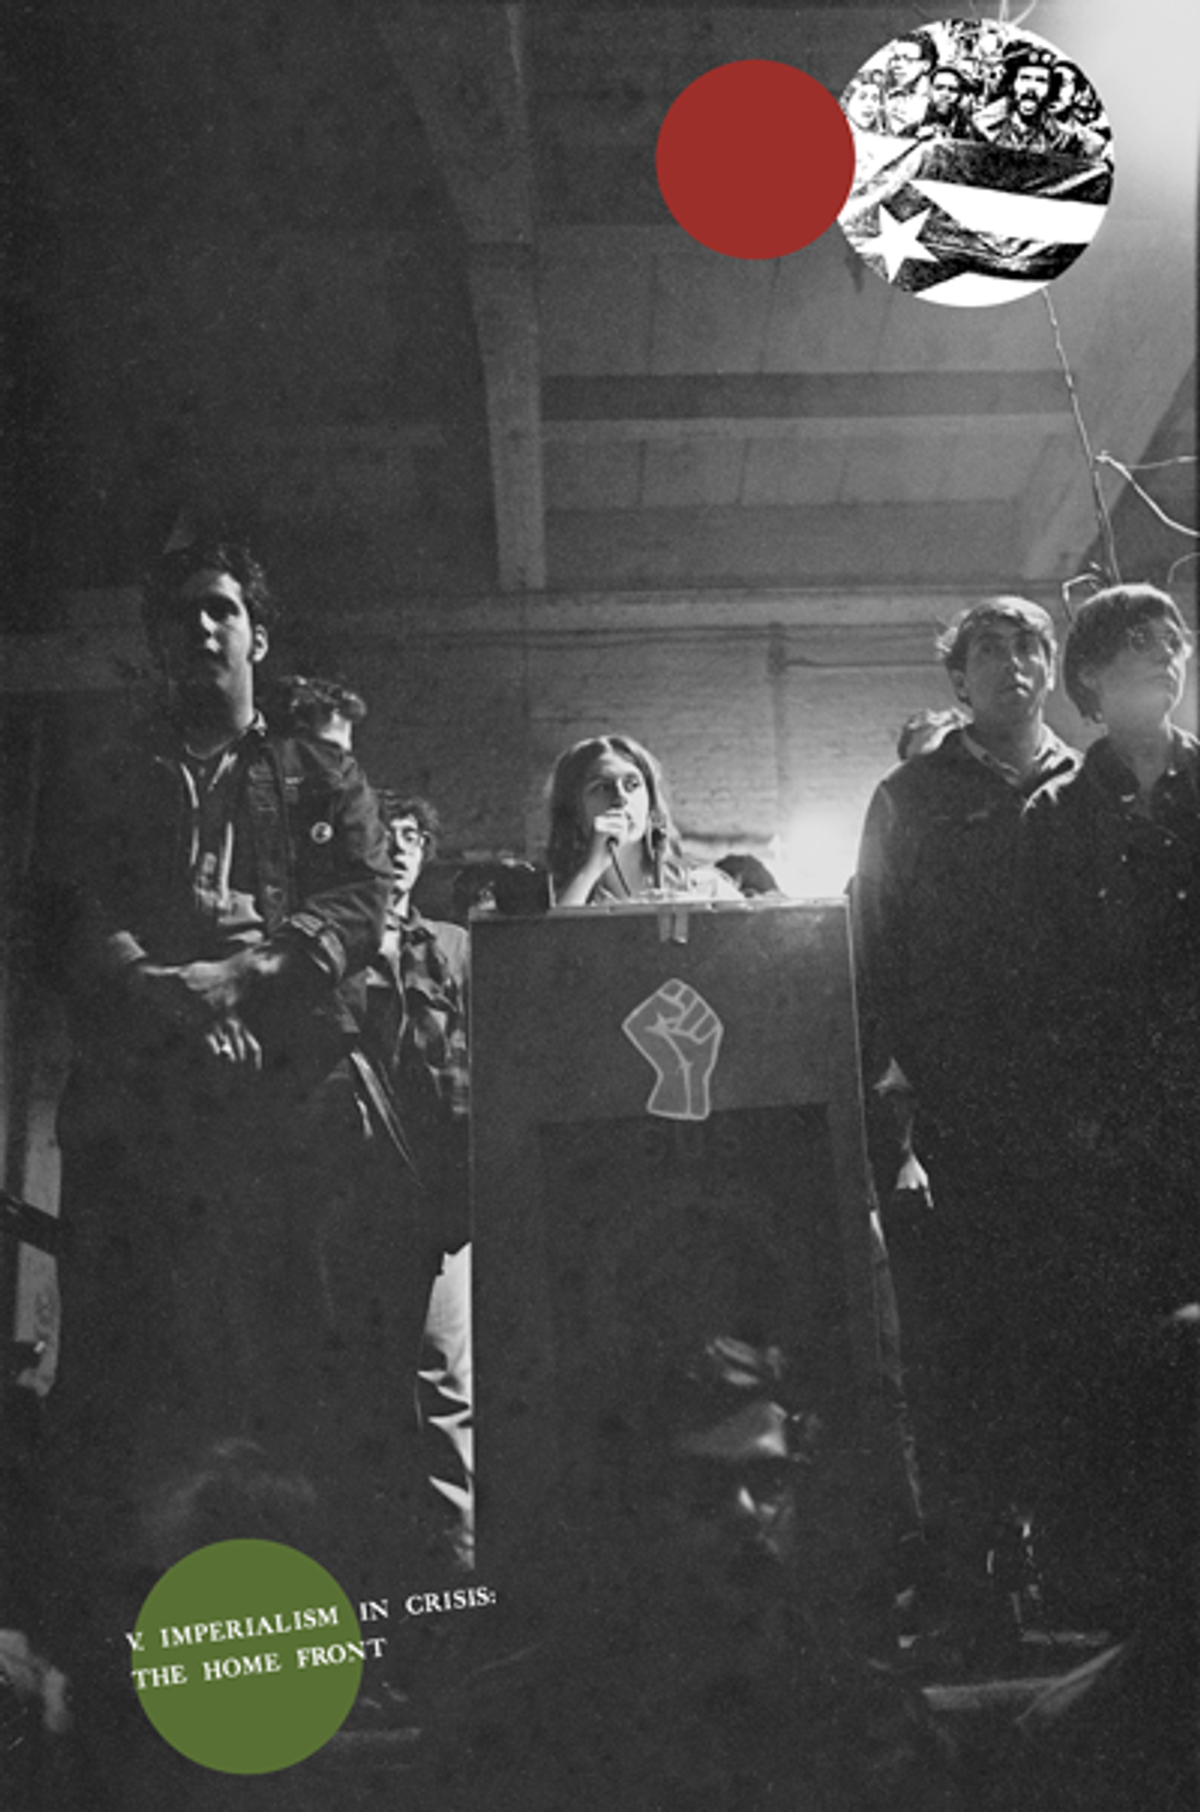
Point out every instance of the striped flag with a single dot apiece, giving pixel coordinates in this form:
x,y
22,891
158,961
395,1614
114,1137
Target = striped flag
x,y
970,224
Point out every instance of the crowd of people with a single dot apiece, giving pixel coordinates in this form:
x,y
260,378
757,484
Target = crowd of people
x,y
978,83
265,1278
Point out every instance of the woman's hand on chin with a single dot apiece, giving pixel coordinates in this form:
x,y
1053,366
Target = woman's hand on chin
x,y
609,834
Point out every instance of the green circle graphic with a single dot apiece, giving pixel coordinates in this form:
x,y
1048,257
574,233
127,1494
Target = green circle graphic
x,y
248,1656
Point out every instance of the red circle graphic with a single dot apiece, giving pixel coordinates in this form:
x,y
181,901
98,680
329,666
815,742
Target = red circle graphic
x,y
755,159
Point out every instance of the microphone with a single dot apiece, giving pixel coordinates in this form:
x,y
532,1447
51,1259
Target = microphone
x,y
658,847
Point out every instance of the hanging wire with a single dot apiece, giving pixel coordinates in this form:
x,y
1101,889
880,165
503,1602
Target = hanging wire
x,y
1004,17
1176,564
1160,465
1106,459
1106,528
1091,577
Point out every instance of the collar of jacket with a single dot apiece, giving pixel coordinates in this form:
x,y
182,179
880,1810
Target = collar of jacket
x,y
168,737
1116,779
1054,756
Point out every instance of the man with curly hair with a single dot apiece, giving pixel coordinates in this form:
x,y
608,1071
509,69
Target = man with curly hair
x,y
416,1033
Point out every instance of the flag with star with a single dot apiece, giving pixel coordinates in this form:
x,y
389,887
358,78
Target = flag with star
x,y
966,223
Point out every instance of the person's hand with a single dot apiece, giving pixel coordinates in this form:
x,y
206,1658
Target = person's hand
x,y
218,990
609,831
199,995
157,988
231,1043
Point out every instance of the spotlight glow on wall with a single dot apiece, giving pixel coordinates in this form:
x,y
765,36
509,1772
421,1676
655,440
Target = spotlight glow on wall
x,y
818,850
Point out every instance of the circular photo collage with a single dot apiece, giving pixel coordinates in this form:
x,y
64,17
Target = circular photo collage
x,y
983,162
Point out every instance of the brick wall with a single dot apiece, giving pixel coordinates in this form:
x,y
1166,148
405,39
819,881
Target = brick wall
x,y
774,714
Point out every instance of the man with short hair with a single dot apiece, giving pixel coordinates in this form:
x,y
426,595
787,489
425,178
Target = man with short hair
x,y
932,905
909,62
947,115
227,1275
929,895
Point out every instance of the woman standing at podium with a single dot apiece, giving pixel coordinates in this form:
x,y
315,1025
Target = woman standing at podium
x,y
612,839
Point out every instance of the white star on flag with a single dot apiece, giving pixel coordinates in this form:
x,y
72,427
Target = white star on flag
x,y
898,241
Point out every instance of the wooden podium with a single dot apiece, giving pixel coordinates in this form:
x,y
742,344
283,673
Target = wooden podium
x,y
668,1148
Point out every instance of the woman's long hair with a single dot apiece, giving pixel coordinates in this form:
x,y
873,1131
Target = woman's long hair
x,y
569,841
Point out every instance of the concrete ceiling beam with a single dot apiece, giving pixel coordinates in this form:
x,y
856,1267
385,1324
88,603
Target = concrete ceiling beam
x,y
466,68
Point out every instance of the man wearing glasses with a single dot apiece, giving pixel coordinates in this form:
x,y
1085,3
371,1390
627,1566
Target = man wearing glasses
x,y
910,61
416,1036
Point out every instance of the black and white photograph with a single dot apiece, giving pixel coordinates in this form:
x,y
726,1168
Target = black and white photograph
x,y
984,162
600,908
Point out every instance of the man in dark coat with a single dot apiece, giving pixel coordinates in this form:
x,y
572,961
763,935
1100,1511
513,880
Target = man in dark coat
x,y
242,1283
932,902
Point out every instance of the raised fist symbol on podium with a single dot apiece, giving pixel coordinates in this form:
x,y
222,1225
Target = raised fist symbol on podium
x,y
679,1035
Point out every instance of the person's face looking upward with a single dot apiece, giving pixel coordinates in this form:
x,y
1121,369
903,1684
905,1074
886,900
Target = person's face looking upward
x,y
208,640
1006,675
407,846
1142,683
864,106
615,800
